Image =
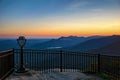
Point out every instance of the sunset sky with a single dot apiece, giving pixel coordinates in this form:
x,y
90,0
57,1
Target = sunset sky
x,y
55,18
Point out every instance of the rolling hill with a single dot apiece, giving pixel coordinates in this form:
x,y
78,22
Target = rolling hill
x,y
6,44
62,42
95,43
111,49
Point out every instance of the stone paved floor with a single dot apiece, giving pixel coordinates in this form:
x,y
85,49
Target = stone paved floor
x,y
55,75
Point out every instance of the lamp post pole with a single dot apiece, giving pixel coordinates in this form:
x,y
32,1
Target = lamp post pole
x,y
22,65
21,42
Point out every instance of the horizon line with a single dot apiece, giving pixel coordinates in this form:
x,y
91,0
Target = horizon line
x,y
50,37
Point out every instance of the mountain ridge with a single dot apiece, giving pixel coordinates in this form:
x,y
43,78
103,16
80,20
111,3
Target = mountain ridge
x,y
95,43
63,42
111,49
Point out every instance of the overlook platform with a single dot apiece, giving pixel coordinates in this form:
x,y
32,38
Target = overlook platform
x,y
58,64
54,75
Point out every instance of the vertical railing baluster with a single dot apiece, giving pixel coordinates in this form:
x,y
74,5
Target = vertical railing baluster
x,y
61,61
51,62
78,62
86,61
48,61
64,60
83,61
67,59
39,54
31,59
43,60
73,61
93,64
35,58
99,63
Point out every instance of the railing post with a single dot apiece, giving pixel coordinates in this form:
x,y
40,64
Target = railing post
x,y
6,64
13,59
98,62
60,60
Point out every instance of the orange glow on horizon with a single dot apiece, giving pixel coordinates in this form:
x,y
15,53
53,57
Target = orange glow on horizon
x,y
58,33
49,28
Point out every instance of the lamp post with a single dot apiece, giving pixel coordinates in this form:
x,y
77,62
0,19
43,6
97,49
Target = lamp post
x,y
21,41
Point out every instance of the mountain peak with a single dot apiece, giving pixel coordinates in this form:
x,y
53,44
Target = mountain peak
x,y
115,36
70,37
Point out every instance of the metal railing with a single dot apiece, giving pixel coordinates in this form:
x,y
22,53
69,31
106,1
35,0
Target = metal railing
x,y
42,60
6,63
62,60
110,65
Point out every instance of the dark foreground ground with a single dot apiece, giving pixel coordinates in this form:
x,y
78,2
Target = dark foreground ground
x,y
54,75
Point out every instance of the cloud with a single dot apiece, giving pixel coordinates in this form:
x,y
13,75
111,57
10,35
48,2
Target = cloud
x,y
96,10
77,5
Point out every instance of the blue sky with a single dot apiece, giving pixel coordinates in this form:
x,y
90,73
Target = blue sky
x,y
59,15
15,9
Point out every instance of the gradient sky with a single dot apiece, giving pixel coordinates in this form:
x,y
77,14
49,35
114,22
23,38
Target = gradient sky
x,y
54,18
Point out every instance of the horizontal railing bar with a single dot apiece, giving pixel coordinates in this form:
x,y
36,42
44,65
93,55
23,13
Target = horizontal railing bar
x,y
58,52
71,52
6,52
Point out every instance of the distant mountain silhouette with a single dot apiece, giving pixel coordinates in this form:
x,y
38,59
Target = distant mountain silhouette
x,y
72,43
111,49
6,44
95,43
31,42
63,42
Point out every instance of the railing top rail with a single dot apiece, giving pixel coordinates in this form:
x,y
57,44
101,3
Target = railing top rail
x,y
59,51
72,52
110,55
6,52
